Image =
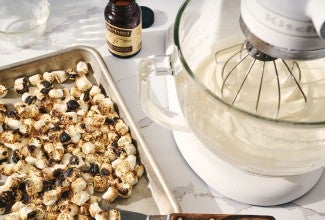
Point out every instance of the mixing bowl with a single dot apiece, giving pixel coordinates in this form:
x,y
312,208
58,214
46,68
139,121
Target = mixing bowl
x,y
263,145
23,22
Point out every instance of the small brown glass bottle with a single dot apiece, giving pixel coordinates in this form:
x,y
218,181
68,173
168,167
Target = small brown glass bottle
x,y
123,28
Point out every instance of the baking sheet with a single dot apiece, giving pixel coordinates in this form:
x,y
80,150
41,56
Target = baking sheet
x,y
151,195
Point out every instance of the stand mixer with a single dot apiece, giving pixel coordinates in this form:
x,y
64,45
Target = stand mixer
x,y
247,77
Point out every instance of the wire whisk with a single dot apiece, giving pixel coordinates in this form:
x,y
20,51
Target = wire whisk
x,y
250,79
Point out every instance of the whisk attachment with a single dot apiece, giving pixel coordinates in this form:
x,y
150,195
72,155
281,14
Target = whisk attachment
x,y
259,83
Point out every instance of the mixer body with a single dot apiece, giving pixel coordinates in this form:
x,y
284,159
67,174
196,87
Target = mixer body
x,y
285,29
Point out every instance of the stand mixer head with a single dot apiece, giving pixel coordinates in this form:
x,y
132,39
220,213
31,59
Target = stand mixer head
x,y
285,29
262,72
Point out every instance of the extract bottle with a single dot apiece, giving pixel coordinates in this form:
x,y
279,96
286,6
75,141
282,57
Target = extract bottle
x,y
123,28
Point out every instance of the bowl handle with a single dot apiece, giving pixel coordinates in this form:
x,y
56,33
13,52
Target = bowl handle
x,y
158,66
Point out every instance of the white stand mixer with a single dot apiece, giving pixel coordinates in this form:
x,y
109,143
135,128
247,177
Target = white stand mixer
x,y
286,33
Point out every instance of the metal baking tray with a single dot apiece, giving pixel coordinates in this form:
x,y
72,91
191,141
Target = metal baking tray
x,y
151,195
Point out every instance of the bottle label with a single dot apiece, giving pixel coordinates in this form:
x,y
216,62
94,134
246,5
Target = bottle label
x,y
123,42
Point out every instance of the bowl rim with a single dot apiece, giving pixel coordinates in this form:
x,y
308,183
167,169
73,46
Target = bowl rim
x,y
217,98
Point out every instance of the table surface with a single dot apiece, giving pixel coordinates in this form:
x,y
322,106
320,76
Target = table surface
x,y
81,23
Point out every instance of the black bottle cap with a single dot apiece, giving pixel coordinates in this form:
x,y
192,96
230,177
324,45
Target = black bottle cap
x,y
148,17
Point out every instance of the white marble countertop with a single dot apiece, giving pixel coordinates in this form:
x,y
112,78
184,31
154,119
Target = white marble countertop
x,y
81,23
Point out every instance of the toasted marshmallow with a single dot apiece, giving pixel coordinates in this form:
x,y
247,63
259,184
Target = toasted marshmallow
x,y
25,212
9,137
28,98
19,107
94,209
17,206
69,117
124,189
82,67
65,216
78,185
41,126
35,141
2,117
40,212
59,108
26,111
3,91
35,80
49,147
100,146
130,149
121,127
106,106
51,196
83,83
121,167
139,169
111,194
124,140
12,181
52,215
132,161
95,90
112,136
98,97
56,93
13,123
26,126
102,216
88,148
21,88
3,152
90,189
114,214
57,155
80,198
40,163
12,216
21,80
74,134
106,168
97,121
66,206
110,153
7,169
49,76
130,178
75,92
60,76
72,74
100,183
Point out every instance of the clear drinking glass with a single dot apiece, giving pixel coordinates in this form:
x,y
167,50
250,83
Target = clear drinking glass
x,y
22,23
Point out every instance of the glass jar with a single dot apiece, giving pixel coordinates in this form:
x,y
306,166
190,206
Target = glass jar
x,y
123,28
22,28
